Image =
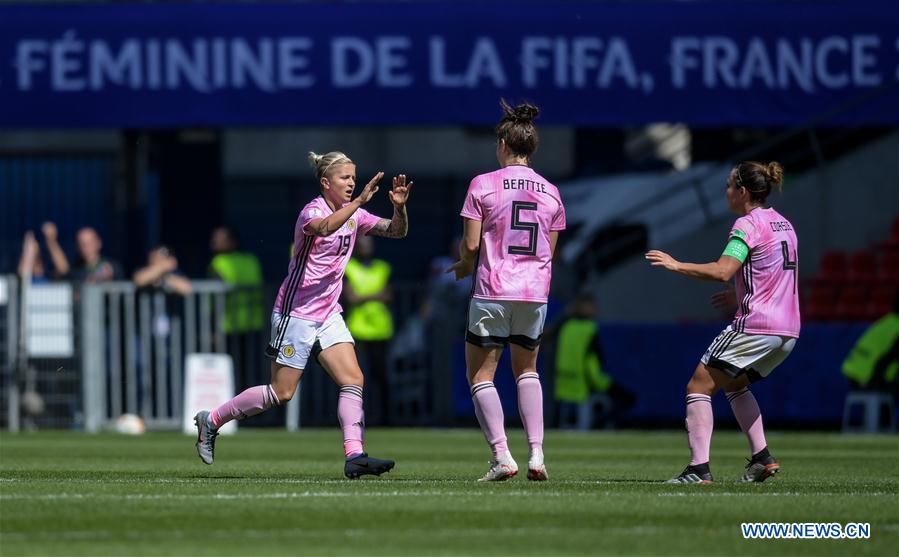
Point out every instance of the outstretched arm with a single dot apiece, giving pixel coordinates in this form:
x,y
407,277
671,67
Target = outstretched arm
x,y
398,226
720,271
332,223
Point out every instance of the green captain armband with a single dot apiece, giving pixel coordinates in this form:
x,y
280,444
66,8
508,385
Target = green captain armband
x,y
737,249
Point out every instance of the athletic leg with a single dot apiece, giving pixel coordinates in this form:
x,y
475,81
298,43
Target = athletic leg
x,y
706,381
250,402
339,361
530,406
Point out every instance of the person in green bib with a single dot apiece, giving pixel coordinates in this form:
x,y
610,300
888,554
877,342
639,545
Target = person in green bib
x,y
873,363
244,313
368,296
579,370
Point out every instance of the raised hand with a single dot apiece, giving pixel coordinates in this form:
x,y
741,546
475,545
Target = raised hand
x,y
370,189
399,194
50,232
30,247
658,258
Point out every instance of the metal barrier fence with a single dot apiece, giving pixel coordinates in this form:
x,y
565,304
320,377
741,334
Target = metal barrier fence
x,y
41,383
135,343
126,350
9,295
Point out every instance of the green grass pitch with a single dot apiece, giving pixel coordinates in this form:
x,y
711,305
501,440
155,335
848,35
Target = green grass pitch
x,y
274,493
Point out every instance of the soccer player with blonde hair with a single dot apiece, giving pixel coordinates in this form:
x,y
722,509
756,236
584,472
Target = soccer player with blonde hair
x,y
307,311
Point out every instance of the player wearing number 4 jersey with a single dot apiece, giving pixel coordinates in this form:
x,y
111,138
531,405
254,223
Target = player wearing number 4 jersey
x,y
512,218
306,317
762,254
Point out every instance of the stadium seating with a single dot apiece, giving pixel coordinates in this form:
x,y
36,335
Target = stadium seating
x,y
863,267
860,286
834,266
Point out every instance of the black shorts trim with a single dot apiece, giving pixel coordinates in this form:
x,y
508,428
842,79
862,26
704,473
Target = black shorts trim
x,y
734,371
727,367
271,352
526,342
490,341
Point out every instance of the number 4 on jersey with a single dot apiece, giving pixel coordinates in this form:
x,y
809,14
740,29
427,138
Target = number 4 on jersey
x,y
789,265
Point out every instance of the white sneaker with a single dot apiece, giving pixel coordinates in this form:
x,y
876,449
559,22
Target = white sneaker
x,y
501,469
536,468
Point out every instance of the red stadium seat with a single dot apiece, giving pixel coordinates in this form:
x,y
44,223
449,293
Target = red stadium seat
x,y
851,303
880,302
820,302
833,267
889,267
863,267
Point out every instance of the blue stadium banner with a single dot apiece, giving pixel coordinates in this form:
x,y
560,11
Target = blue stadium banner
x,y
432,63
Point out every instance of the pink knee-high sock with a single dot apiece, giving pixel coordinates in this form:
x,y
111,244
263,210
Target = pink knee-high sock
x,y
699,427
248,403
530,406
746,410
352,419
489,410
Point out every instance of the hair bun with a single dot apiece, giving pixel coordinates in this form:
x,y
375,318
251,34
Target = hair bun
x,y
775,173
315,159
525,112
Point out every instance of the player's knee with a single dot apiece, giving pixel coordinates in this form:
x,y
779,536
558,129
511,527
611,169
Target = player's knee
x,y
700,385
283,393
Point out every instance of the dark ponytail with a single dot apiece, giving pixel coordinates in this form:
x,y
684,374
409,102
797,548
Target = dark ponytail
x,y
758,178
517,128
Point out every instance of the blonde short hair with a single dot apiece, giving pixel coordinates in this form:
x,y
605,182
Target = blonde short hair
x,y
322,163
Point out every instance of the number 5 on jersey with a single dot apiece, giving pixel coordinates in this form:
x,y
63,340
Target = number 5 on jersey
x,y
532,228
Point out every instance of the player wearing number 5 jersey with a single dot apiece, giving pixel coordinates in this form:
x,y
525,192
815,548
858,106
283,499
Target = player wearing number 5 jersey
x,y
512,218
762,254
306,318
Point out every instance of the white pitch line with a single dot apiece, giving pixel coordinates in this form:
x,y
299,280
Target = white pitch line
x,y
263,496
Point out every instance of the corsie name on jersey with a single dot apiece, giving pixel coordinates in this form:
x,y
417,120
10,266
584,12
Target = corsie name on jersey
x,y
780,226
522,184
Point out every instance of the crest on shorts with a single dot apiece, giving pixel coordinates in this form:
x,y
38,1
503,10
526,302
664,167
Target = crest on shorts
x,y
288,351
351,224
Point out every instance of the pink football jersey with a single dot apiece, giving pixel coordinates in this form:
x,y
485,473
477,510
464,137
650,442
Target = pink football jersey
x,y
517,208
314,280
767,295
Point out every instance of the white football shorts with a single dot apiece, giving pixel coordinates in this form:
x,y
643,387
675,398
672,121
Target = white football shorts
x,y
293,340
742,353
496,323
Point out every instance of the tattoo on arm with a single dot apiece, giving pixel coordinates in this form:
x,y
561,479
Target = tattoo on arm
x,y
397,227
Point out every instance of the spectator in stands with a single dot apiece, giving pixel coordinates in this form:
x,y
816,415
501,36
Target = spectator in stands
x,y
368,295
92,266
30,263
240,269
161,272
31,255
244,315
873,363
581,382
